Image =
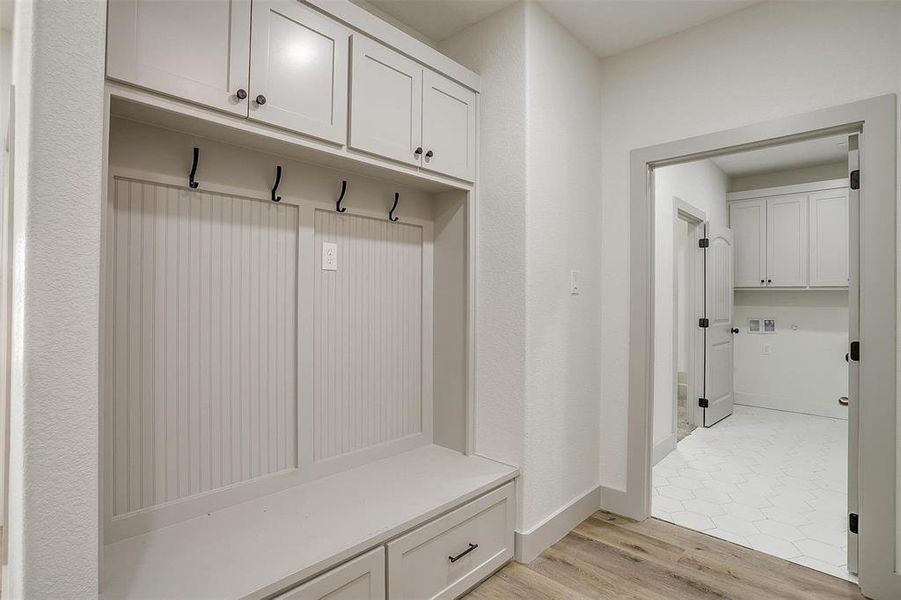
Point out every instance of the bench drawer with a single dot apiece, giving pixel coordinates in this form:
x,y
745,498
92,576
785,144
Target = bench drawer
x,y
362,578
446,557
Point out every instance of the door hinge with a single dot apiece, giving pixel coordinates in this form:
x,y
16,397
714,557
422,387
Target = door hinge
x,y
703,403
852,522
854,354
704,243
855,179
704,322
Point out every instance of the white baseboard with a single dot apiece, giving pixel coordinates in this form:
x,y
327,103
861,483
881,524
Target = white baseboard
x,y
661,449
528,545
619,503
795,405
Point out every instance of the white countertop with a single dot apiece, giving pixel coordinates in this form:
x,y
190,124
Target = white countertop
x,y
267,544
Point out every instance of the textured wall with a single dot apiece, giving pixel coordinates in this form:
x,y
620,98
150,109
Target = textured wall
x,y
768,61
563,152
53,521
495,48
539,211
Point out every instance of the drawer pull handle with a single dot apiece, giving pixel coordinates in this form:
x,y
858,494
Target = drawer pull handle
x,y
454,559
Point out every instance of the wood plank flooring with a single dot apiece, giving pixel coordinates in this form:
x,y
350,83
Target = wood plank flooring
x,y
608,556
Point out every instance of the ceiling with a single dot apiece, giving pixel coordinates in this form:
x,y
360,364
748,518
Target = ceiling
x,y
788,156
607,27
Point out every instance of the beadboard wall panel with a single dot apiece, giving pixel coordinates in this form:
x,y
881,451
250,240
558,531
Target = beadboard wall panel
x,y
201,345
368,382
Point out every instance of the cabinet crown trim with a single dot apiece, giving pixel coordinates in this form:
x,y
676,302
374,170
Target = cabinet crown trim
x,y
800,188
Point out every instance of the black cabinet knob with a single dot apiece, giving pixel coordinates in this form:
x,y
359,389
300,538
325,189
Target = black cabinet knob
x,y
261,100
418,151
241,94
769,281
762,282
429,154
735,330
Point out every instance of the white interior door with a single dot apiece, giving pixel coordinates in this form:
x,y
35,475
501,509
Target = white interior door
x,y
192,49
718,334
298,67
786,241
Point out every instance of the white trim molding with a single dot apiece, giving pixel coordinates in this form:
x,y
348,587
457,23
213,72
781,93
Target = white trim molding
x,y
531,543
878,477
799,188
663,447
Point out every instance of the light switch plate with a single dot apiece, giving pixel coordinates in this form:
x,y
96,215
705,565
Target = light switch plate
x,y
329,256
574,287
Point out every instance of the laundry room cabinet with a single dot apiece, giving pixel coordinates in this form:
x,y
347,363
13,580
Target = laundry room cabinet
x,y
405,112
792,237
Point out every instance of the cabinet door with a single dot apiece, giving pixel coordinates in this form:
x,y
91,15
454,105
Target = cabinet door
x,y
360,579
192,49
786,241
448,127
298,63
829,234
386,102
747,218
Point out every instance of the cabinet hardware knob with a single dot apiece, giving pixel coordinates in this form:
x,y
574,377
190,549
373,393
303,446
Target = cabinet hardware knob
x,y
762,282
418,151
735,330
261,100
429,154
769,281
241,94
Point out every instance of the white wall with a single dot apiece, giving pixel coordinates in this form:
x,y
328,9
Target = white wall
x,y
804,370
539,207
837,170
54,423
767,61
703,185
563,152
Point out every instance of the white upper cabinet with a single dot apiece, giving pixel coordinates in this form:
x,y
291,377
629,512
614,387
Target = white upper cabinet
x,y
298,70
829,235
193,49
790,237
747,218
386,102
786,241
448,127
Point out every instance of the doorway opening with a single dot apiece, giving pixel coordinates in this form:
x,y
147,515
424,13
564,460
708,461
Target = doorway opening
x,y
752,323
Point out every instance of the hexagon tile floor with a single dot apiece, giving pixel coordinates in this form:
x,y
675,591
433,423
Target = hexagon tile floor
x,y
766,479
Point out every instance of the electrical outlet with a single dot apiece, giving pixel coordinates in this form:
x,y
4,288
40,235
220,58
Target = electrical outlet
x,y
574,288
329,256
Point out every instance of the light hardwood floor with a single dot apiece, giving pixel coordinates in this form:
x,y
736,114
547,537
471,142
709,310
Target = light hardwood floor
x,y
608,556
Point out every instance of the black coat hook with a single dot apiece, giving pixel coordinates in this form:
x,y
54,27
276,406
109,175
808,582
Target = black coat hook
x,y
391,216
338,206
278,179
191,181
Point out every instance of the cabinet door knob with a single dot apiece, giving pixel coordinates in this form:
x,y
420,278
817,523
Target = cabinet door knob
x,y
429,154
769,281
418,151
241,94
735,330
762,282
261,100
